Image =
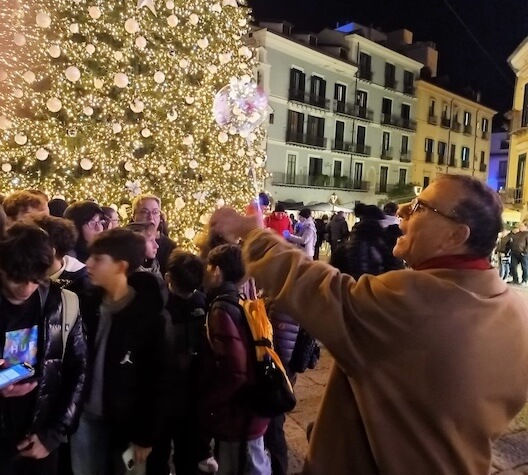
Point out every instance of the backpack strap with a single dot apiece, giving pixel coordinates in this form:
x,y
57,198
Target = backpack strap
x,y
70,312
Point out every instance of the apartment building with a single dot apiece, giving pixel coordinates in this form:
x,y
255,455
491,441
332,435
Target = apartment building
x,y
498,164
344,107
452,135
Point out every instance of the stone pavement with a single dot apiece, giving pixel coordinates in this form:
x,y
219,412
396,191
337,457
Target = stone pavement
x,y
510,452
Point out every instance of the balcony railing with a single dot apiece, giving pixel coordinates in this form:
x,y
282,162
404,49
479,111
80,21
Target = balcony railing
x,y
442,159
391,83
319,181
409,89
429,157
452,162
456,126
365,73
468,130
408,124
405,156
511,196
305,139
361,149
308,98
483,167
387,153
464,164
389,119
342,146
445,122
432,119
383,188
353,110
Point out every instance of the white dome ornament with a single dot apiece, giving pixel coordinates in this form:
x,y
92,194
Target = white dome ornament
x,y
21,139
117,128
121,80
188,140
173,21
74,28
217,8
43,20
146,133
203,43
179,203
189,233
138,106
129,166
29,77
54,51
159,77
5,123
19,39
131,26
141,42
90,48
42,154
86,164
6,167
94,12
98,83
172,115
88,111
194,19
54,104
18,93
72,74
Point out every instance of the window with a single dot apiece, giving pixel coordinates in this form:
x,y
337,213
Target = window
x,y
386,106
385,141
464,155
339,135
390,75
402,179
358,175
404,144
259,78
318,87
295,122
426,181
452,156
315,127
445,111
521,167
365,71
291,168
338,166
429,150
297,80
485,125
361,99
524,113
384,174
406,111
340,92
432,104
408,82
316,166
442,152
482,156
467,118
503,169
271,118
312,40
360,138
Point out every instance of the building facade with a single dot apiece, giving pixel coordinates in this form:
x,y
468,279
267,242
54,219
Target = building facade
x,y
452,135
498,164
343,113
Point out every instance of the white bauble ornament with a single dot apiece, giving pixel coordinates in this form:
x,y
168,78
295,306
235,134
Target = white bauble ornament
x,y
188,140
54,104
170,5
90,48
193,164
116,128
43,20
223,137
173,21
245,79
19,39
3,75
21,139
6,167
159,77
189,100
241,152
224,58
183,63
229,3
18,93
220,203
232,130
42,154
245,52
141,42
118,55
5,123
212,69
146,133
131,26
129,166
194,19
98,83
88,111
121,80
94,12
86,164
189,233
217,8
204,219
54,51
227,167
29,77
179,203
162,169
203,43
137,106
74,28
242,22
72,73
172,115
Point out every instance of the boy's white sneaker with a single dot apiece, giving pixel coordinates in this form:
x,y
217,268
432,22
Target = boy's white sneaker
x,y
209,465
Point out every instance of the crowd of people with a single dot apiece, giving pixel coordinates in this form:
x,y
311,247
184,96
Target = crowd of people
x,y
141,357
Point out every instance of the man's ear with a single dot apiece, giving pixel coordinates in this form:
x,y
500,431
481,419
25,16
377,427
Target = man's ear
x,y
460,235
123,266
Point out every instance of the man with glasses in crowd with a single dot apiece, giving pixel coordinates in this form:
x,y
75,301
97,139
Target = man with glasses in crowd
x,y
431,363
147,208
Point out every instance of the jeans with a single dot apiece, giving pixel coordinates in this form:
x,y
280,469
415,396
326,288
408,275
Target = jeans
x,y
516,259
275,441
93,452
257,460
12,464
504,266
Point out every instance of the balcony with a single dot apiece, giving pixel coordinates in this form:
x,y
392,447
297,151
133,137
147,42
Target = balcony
x,y
342,146
512,196
485,135
442,159
468,130
464,163
364,73
390,82
361,149
387,154
389,119
456,126
483,167
405,156
353,110
305,139
319,181
452,162
445,122
429,157
409,89
432,119
384,188
320,102
407,124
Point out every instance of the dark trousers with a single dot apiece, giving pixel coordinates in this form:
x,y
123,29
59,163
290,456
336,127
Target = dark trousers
x,y
12,464
516,259
275,442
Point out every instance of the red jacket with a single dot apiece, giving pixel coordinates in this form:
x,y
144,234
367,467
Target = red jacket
x,y
279,222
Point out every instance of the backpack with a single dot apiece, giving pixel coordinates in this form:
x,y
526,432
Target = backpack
x,y
70,312
271,393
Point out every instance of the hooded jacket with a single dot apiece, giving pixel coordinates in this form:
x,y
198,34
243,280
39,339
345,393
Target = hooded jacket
x,y
279,222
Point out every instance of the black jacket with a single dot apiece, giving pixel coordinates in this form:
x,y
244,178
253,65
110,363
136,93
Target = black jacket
x,y
61,379
134,369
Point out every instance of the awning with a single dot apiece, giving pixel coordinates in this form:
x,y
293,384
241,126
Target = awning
x,y
511,215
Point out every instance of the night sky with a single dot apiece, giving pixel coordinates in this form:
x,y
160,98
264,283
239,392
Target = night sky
x,y
498,25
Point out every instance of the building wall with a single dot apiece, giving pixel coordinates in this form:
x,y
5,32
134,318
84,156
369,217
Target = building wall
x,y
498,166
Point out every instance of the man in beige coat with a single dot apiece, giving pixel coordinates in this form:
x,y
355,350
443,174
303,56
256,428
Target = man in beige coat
x,y
431,364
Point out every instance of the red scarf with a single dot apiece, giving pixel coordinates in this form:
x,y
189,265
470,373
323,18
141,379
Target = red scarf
x,y
455,262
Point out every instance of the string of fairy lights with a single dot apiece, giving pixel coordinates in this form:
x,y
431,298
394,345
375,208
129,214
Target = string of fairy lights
x,y
104,99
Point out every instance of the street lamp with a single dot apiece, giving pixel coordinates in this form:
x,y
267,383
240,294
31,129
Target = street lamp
x,y
418,190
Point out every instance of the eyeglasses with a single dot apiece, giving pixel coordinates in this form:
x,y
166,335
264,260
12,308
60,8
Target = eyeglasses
x,y
417,203
94,223
148,212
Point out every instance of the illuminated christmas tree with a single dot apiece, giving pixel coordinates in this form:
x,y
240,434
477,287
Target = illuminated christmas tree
x,y
103,99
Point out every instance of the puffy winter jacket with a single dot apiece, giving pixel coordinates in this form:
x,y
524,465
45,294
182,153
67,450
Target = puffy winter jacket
x,y
279,222
285,331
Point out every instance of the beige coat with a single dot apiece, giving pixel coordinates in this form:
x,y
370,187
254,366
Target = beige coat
x,y
430,366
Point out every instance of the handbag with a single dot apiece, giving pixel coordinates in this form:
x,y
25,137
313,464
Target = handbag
x,y
305,354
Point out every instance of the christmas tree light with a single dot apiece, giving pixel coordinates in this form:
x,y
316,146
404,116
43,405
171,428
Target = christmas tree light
x,y
103,99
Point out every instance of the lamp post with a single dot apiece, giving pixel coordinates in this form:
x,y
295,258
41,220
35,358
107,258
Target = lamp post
x,y
333,200
417,190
